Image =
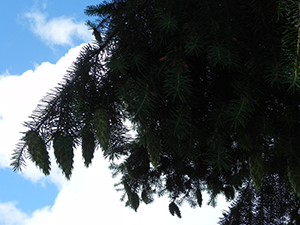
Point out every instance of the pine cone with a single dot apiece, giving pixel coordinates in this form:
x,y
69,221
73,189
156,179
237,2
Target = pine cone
x,y
256,170
101,124
63,151
37,150
88,145
199,197
173,208
154,149
294,178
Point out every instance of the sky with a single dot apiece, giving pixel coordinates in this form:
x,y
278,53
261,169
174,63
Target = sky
x,y
40,40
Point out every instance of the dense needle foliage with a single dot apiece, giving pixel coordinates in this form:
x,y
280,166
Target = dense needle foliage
x,y
212,89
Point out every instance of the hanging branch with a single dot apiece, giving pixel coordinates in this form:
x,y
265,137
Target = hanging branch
x,y
296,64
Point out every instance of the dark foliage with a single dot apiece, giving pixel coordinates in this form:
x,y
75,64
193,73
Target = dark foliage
x,y
274,204
212,90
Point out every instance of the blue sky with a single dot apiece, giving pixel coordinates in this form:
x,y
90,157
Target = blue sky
x,y
17,188
20,43
40,39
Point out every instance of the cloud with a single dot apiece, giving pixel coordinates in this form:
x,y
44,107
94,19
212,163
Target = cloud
x,y
10,215
19,96
89,197
58,30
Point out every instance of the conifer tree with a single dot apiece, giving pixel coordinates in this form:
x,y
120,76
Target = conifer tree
x,y
274,204
211,88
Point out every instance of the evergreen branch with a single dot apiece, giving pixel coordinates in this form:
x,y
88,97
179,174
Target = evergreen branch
x,y
18,158
178,122
296,64
239,112
168,66
142,103
178,84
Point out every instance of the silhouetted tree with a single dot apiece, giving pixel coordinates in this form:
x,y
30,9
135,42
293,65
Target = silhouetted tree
x,y
211,88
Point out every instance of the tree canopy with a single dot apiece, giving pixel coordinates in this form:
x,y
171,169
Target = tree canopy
x,y
212,91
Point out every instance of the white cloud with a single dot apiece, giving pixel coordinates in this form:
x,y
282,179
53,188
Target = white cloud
x,y
89,197
58,30
19,95
10,215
